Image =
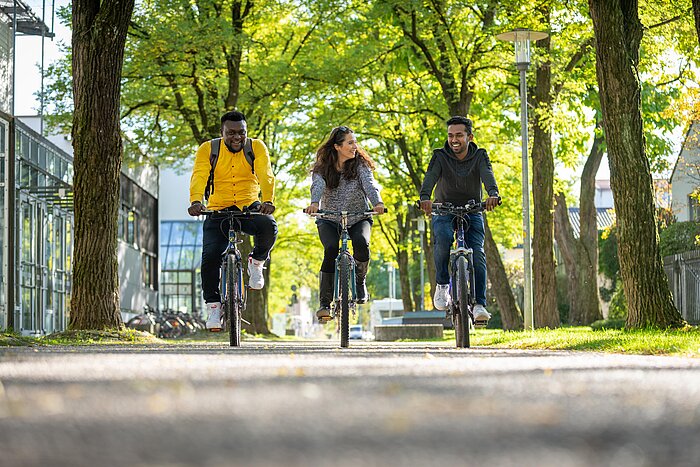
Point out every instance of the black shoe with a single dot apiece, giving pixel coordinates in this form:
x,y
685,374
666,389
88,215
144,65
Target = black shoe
x,y
323,314
360,286
325,295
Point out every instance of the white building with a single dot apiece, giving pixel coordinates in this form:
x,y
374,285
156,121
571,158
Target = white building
x,y
685,178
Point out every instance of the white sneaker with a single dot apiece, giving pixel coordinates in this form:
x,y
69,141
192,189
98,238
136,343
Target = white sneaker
x,y
256,280
441,299
214,319
481,316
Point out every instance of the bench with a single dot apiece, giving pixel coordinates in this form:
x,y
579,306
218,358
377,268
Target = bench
x,y
393,332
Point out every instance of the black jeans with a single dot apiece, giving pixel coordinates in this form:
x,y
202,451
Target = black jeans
x,y
215,241
329,232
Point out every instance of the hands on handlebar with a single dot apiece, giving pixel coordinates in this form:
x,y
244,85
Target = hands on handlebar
x,y
267,208
491,202
379,208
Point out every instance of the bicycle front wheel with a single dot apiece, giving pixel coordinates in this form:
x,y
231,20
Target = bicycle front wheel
x,y
233,299
344,289
462,318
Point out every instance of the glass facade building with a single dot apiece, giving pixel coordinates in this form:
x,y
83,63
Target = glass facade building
x,y
36,255
37,227
181,257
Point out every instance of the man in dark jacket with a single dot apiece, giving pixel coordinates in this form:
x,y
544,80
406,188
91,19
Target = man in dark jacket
x,y
457,171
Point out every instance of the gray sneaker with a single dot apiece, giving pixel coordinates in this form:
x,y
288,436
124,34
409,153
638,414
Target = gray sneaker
x,y
214,319
441,299
481,316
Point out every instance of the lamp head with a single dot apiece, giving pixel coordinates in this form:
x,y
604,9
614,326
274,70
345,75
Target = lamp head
x,y
522,37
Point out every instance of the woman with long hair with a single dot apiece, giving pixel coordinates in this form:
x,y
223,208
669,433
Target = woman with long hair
x,y
342,180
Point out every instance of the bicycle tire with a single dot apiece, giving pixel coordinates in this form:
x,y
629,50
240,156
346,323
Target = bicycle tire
x,y
233,302
178,327
344,274
462,311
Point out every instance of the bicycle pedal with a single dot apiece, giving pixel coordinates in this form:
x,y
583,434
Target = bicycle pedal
x,y
325,319
481,323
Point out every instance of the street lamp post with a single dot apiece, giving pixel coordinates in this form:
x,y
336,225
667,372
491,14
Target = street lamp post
x,y
522,38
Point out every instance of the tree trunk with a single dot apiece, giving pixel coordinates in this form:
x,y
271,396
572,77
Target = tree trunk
x,y
405,230
546,313
99,35
256,300
618,33
581,255
511,316
568,245
696,13
404,279
429,260
588,308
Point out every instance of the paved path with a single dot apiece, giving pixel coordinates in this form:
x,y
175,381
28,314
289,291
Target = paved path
x,y
306,404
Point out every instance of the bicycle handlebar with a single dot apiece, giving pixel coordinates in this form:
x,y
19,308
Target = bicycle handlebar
x,y
468,208
322,212
244,213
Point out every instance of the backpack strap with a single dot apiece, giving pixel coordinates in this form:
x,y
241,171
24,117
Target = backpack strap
x,y
213,158
249,153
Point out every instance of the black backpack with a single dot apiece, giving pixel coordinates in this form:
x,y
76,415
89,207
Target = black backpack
x,y
214,157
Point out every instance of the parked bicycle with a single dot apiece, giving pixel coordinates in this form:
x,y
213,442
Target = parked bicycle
x,y
461,267
344,289
233,296
164,325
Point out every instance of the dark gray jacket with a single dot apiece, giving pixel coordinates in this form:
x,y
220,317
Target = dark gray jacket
x,y
458,181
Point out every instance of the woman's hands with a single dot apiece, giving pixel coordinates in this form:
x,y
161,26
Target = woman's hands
x,y
313,207
379,208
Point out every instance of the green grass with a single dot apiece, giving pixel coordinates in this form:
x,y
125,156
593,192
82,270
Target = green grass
x,y
11,339
106,337
683,342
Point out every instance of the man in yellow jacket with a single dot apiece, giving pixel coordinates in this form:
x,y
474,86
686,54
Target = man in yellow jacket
x,y
236,184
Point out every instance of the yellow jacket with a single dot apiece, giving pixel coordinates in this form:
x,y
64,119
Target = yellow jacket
x,y
235,184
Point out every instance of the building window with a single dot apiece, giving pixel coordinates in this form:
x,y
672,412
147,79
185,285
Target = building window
x,y
694,208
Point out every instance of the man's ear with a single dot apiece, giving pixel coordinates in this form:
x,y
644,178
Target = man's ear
x,y
470,138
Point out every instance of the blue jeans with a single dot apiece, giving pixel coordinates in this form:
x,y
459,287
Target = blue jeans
x,y
215,241
444,235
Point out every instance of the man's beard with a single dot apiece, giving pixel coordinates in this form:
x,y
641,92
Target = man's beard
x,y
230,148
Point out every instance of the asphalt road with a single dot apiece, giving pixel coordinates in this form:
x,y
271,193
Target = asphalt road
x,y
307,404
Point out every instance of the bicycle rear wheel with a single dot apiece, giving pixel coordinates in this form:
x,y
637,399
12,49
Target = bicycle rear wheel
x,y
462,318
233,299
344,274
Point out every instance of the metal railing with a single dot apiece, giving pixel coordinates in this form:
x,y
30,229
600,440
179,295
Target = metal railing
x,y
683,271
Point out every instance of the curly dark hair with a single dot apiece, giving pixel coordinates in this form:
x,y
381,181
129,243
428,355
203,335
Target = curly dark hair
x,y
327,159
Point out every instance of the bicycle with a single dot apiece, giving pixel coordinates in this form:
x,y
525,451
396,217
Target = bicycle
x,y
233,297
461,267
344,289
162,324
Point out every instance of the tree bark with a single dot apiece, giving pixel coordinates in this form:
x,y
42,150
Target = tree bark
x,y
404,279
618,34
588,308
511,317
429,260
546,313
256,300
568,245
696,13
99,35
581,255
